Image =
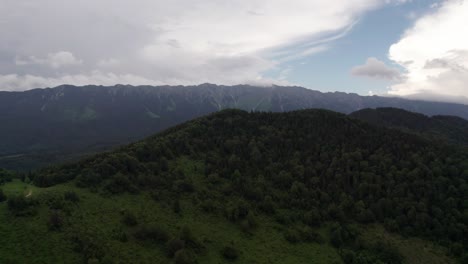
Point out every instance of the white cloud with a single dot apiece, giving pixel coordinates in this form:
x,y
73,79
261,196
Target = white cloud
x,y
376,69
13,82
435,52
54,60
173,42
108,63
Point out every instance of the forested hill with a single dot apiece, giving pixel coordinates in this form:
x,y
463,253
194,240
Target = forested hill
x,y
449,128
44,126
302,169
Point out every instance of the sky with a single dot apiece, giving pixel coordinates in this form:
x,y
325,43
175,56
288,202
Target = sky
x,y
414,48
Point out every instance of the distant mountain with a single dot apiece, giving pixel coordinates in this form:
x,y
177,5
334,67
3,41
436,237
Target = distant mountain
x,y
450,128
43,126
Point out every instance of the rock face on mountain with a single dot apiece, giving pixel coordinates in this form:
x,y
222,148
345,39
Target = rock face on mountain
x,y
42,126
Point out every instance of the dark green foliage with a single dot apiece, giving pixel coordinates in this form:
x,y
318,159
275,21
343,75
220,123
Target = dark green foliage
x,y
237,210
303,234
348,256
317,166
190,240
21,206
6,176
90,247
151,233
55,221
292,236
119,184
183,256
387,253
71,196
129,219
449,128
174,245
230,253
176,207
3,197
120,235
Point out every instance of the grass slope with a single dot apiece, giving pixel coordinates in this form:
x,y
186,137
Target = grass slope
x,y
28,239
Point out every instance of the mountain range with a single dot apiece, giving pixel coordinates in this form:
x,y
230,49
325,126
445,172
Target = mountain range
x,y
43,126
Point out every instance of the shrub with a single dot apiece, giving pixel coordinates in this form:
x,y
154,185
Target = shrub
x,y
55,221
309,235
17,203
176,207
312,218
71,196
230,253
182,256
119,183
21,206
183,186
336,239
174,245
209,206
2,196
292,236
347,256
190,240
120,235
129,219
237,210
88,245
152,233
387,253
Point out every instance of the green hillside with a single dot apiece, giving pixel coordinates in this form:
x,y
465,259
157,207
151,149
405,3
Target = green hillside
x,y
308,186
451,129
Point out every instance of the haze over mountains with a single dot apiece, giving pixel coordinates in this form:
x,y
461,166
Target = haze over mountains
x,y
47,125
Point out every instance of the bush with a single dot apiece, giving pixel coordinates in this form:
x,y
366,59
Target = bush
x,y
2,196
309,235
129,219
17,203
152,233
174,245
21,206
388,253
237,210
88,245
182,256
312,218
190,240
119,183
120,235
55,221
347,256
176,207
71,196
336,239
292,236
209,206
229,253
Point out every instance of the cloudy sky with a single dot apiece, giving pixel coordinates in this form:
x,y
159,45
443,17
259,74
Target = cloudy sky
x,y
387,47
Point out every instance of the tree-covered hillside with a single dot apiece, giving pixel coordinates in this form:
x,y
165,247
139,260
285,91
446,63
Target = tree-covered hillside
x,y
309,186
451,129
